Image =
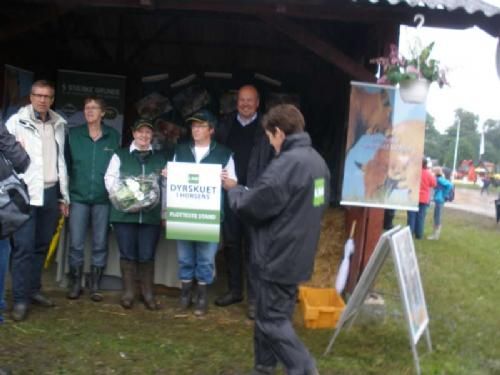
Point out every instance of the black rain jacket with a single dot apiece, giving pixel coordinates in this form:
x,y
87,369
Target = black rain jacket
x,y
283,215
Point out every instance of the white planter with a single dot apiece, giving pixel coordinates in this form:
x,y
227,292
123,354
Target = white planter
x,y
414,91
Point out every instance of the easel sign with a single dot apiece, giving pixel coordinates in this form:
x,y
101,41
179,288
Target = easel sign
x,y
410,287
382,249
399,243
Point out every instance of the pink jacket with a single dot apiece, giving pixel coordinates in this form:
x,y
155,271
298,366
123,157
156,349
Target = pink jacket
x,y
427,182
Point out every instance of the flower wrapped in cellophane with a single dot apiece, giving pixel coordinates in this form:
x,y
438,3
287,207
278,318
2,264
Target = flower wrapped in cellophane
x,y
136,193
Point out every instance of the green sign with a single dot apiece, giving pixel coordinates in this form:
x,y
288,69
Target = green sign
x,y
319,192
193,202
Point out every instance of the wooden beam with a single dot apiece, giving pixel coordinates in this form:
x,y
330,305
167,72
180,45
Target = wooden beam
x,y
145,44
36,20
320,47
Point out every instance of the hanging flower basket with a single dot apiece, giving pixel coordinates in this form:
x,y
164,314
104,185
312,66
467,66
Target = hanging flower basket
x,y
414,91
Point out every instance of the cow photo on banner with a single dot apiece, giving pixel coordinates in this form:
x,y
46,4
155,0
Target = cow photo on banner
x,y
384,149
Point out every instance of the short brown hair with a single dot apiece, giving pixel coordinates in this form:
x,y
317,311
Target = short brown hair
x,y
43,83
100,101
285,117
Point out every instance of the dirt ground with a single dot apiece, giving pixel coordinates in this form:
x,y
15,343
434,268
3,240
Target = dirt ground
x,y
472,201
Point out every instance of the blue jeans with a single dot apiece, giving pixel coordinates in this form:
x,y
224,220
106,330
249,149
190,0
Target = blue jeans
x,y
4,266
438,212
80,214
197,260
137,242
30,245
416,220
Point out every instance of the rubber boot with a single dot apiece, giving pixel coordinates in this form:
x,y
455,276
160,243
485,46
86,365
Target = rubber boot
x,y
435,235
95,281
128,269
186,295
201,305
75,286
146,274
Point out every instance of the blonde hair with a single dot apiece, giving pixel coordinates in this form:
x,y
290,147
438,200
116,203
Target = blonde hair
x,y
437,171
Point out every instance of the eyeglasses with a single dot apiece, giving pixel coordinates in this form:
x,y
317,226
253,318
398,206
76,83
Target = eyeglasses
x,y
92,108
41,96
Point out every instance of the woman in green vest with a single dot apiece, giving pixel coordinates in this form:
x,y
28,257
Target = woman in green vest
x,y
197,258
137,233
89,149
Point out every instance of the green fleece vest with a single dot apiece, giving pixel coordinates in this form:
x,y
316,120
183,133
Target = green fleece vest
x,y
130,165
87,163
217,154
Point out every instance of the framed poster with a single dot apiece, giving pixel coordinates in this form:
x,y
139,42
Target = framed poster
x,y
193,202
384,149
410,284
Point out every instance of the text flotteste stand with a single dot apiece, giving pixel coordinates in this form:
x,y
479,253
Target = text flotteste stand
x,y
399,243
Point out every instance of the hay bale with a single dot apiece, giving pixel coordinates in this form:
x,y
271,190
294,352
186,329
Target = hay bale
x,y
330,249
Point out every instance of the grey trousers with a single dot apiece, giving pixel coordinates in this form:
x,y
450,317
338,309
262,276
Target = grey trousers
x,y
274,337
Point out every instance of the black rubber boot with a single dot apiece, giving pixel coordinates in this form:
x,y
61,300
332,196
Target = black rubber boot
x,y
75,285
201,305
128,269
186,295
95,281
146,274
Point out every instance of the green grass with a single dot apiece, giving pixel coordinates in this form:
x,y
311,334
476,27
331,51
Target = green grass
x,y
460,274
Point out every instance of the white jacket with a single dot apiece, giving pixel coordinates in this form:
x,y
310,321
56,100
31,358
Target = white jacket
x,y
22,126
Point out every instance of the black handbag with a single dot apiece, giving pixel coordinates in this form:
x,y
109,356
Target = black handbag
x,y
14,204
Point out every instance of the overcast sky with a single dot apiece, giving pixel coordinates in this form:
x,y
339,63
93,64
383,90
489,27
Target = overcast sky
x,y
474,83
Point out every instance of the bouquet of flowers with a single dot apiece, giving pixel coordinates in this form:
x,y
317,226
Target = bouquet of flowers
x,y
136,193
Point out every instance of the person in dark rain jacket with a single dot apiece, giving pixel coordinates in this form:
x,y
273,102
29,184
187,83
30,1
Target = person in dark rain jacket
x,y
283,210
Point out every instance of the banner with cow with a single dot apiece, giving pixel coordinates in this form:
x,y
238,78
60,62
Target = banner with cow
x,y
384,149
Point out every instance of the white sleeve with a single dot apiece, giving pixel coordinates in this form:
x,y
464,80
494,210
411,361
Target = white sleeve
x,y
230,169
112,173
11,124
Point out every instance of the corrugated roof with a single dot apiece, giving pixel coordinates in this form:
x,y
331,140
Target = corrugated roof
x,y
470,6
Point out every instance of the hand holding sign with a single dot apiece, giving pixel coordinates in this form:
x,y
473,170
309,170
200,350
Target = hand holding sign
x,y
227,182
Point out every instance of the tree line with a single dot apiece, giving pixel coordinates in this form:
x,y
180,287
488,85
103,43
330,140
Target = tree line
x,y
442,146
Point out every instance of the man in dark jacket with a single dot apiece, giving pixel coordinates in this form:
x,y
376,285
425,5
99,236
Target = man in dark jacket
x,y
13,156
242,134
284,211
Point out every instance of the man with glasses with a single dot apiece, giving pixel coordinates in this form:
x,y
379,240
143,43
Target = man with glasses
x,y
41,131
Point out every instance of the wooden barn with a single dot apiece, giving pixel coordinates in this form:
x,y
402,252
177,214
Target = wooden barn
x,y
307,49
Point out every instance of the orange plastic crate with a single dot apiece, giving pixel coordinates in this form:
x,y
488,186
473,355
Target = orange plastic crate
x,y
321,307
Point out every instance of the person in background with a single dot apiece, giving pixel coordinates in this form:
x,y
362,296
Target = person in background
x,y
486,184
41,131
242,133
416,219
13,157
137,233
283,210
196,258
441,191
89,148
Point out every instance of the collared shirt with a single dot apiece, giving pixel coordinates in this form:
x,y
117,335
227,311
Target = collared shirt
x,y
38,116
201,151
113,172
49,151
245,122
